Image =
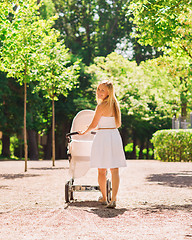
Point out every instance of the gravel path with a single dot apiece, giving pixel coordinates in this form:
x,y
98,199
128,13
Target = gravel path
x,y
154,203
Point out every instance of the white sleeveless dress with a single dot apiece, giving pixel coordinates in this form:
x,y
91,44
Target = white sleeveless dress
x,y
107,148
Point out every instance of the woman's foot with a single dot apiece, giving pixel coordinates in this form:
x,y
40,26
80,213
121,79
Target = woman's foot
x,y
102,201
112,204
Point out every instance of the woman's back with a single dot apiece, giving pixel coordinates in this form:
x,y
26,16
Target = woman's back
x,y
108,111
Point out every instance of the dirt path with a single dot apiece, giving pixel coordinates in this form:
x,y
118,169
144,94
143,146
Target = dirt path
x,y
154,203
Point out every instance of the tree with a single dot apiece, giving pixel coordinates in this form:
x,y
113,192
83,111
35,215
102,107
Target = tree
x,y
170,80
164,24
23,34
47,9
11,96
38,120
92,28
167,25
56,75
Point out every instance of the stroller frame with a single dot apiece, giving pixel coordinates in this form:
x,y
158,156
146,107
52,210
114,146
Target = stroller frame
x,y
70,188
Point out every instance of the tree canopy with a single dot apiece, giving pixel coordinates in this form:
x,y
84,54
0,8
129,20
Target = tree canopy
x,y
30,51
92,28
164,23
42,52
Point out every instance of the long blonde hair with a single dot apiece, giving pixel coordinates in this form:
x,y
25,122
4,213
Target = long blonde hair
x,y
111,101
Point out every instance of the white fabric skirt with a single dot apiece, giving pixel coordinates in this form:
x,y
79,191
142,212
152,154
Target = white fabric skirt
x,y
107,150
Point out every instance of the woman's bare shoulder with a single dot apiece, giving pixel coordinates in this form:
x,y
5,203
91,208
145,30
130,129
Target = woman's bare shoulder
x,y
99,107
103,104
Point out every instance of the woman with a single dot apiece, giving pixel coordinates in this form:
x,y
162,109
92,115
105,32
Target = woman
x,y
107,149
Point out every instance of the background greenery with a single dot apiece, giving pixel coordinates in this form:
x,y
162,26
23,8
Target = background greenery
x,y
143,47
173,145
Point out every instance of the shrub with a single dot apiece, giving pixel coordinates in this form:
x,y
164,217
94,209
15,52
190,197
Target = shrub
x,y
173,145
150,154
129,149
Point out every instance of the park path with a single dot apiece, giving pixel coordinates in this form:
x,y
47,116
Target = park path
x,y
154,203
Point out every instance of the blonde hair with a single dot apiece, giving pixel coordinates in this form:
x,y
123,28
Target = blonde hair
x,y
111,101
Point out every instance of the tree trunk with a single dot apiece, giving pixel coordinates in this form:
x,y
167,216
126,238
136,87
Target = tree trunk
x,y
141,150
60,140
147,156
25,127
124,136
33,145
47,149
134,155
53,132
6,146
184,110
183,99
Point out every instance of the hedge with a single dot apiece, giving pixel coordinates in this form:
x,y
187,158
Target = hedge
x,y
173,145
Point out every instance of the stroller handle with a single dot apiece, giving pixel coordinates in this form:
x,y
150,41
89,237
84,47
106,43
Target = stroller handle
x,y
76,133
71,134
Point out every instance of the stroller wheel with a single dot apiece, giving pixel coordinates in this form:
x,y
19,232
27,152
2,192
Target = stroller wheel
x,y
71,196
67,192
71,193
108,190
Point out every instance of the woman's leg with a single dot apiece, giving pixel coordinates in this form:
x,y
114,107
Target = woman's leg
x,y
115,182
102,182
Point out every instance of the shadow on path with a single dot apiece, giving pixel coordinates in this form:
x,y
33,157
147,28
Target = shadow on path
x,y
180,179
161,208
4,187
49,168
84,204
98,209
20,175
107,212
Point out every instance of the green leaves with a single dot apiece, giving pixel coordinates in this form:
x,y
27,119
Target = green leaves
x,y
132,87
23,39
164,23
56,73
31,51
92,28
170,78
173,145
167,25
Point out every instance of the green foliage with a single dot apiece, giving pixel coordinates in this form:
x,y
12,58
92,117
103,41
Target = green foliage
x,y
4,13
150,153
149,94
92,28
39,111
129,149
173,145
132,88
170,81
11,105
23,40
164,23
14,143
47,9
167,25
80,97
55,71
143,112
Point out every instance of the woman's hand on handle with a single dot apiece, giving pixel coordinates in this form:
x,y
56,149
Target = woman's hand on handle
x,y
80,132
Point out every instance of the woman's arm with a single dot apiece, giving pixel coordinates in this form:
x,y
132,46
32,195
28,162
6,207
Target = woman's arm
x,y
95,121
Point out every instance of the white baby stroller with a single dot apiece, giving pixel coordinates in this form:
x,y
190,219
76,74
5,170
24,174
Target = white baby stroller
x,y
79,152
